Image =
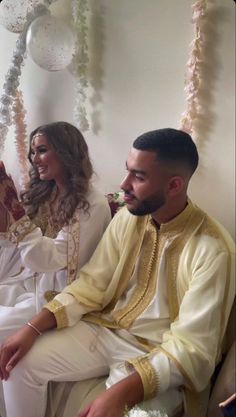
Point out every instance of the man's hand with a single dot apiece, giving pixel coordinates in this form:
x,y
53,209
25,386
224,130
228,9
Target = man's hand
x,y
113,402
8,195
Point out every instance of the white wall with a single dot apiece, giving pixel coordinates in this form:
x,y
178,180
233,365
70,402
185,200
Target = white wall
x,y
138,54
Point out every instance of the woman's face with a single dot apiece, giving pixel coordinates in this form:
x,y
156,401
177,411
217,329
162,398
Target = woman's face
x,y
46,161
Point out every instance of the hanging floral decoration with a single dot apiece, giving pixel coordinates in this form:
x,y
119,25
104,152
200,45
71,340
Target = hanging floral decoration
x,y
80,61
34,40
20,134
12,77
193,76
9,88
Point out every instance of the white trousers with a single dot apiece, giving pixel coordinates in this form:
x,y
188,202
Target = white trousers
x,y
72,354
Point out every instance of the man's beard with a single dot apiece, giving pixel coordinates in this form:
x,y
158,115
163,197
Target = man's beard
x,y
148,206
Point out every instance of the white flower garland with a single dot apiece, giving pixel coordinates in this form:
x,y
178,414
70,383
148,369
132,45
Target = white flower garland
x,y
12,78
194,74
138,412
21,136
79,62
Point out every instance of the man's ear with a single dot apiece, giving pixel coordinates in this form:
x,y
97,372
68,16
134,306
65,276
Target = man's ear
x,y
175,185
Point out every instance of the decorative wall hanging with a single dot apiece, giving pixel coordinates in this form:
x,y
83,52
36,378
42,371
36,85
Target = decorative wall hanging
x,y
13,13
53,46
54,49
80,61
21,136
50,43
194,76
12,77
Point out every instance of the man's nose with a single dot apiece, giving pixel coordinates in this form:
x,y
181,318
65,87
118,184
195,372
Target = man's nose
x,y
125,184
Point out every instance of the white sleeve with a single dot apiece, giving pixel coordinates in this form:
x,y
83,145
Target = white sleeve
x,y
38,253
43,254
195,336
93,225
191,345
10,263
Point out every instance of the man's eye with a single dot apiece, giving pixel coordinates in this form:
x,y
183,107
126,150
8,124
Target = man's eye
x,y
139,177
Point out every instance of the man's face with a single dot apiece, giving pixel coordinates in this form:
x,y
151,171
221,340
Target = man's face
x,y
145,184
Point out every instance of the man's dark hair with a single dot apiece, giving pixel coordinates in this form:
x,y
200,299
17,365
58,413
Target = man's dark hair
x,y
170,145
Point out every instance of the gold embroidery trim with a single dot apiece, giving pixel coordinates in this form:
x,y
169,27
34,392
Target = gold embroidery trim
x,y
20,229
177,364
146,281
129,264
149,376
73,247
59,312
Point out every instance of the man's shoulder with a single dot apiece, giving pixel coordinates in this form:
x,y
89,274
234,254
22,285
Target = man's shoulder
x,y
212,229
127,224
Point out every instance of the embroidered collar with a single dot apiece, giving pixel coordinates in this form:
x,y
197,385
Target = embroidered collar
x,y
177,224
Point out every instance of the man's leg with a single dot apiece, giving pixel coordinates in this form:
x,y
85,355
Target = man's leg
x,y
64,355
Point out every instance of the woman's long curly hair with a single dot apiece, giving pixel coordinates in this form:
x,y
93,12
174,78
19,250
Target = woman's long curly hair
x,y
72,151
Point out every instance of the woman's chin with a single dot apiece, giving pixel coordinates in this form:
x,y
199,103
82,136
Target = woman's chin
x,y
44,177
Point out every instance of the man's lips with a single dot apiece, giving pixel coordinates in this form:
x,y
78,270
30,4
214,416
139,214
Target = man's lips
x,y
128,198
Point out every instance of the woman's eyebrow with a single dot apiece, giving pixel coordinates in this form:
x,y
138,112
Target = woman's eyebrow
x,y
38,146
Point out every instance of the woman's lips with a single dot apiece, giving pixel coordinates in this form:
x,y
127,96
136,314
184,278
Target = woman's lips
x,y
41,169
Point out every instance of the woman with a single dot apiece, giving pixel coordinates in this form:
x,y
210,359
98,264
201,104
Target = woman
x,y
48,235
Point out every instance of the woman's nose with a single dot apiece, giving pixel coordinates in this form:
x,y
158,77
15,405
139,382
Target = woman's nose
x,y
35,158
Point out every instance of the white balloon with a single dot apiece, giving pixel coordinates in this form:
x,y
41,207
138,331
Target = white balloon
x,y
13,13
50,43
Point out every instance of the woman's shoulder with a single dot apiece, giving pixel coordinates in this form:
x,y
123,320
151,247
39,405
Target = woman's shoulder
x,y
95,196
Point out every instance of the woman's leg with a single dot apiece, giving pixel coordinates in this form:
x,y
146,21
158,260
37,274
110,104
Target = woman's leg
x,y
64,355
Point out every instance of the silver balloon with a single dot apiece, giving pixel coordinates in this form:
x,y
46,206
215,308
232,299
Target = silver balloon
x,y
50,43
13,13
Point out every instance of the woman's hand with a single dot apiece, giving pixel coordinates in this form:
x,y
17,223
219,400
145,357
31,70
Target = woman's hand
x,y
8,195
14,348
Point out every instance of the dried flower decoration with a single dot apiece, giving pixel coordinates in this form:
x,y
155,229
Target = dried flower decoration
x,y
193,76
80,61
20,136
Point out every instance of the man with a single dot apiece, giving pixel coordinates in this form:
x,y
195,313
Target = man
x,y
150,308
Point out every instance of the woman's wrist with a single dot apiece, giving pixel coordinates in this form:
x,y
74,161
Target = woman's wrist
x,y
34,328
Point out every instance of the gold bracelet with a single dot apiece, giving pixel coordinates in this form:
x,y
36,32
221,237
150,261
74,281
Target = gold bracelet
x,y
35,328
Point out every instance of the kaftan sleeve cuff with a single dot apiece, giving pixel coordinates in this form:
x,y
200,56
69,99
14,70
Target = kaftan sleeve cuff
x,y
148,374
157,372
59,311
18,230
66,309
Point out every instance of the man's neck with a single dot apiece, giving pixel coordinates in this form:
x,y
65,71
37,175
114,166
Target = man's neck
x,y
168,212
